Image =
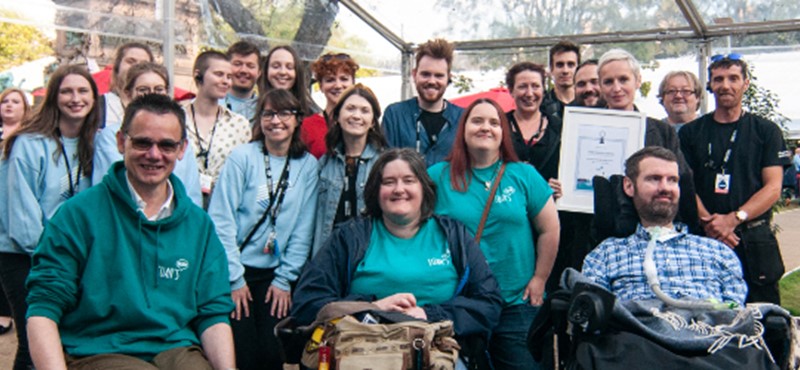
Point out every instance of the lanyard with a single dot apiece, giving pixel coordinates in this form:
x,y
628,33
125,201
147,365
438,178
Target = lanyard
x,y
536,135
728,151
203,151
72,186
277,193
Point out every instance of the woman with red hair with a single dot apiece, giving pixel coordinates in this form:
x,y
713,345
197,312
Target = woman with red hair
x,y
481,166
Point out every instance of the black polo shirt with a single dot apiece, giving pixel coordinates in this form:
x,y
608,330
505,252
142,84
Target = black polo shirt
x,y
758,144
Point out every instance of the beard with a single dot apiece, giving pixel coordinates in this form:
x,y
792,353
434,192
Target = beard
x,y
421,93
657,212
583,99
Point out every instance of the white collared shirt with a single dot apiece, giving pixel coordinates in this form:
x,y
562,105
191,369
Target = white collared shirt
x,y
163,212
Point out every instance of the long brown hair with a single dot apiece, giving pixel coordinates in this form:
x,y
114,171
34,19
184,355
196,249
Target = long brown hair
x,y
374,135
459,156
45,121
300,87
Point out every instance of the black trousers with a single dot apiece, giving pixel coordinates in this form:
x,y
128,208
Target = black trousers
x,y
14,270
256,345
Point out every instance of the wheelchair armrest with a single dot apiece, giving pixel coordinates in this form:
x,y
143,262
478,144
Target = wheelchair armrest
x,y
291,339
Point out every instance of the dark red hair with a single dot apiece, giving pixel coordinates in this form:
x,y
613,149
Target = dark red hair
x,y
459,156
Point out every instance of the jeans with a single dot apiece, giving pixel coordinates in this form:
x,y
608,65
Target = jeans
x,y
508,346
254,338
14,270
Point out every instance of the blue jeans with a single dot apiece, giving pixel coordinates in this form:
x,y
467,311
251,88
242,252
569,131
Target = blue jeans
x,y
508,345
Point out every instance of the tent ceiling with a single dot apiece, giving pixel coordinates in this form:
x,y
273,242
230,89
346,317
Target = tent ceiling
x,y
630,21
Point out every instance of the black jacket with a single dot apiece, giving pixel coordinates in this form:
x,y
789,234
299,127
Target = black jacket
x,y
474,308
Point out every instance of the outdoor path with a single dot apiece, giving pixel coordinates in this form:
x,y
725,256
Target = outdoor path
x,y
789,237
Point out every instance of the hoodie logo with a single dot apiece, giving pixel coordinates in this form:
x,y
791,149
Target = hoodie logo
x,y
173,273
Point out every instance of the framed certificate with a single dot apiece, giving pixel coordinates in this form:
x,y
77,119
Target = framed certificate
x,y
595,142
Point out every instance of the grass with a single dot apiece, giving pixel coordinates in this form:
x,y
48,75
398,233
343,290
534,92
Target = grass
x,y
790,293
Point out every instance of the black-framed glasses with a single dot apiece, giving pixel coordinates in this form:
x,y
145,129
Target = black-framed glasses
x,y
144,90
144,144
675,92
283,115
340,56
731,56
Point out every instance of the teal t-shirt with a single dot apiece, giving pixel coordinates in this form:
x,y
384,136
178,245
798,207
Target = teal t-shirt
x,y
421,265
507,240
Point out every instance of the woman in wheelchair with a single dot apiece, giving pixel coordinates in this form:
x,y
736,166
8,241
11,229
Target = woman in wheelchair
x,y
402,257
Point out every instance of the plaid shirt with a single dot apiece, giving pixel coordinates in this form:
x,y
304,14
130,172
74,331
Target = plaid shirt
x,y
688,266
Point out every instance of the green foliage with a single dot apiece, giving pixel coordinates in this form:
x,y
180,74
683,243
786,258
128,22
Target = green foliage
x,y
645,88
763,102
20,44
462,83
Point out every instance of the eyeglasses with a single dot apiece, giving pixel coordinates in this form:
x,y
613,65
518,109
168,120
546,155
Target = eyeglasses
x,y
144,90
721,57
144,144
283,115
675,92
340,56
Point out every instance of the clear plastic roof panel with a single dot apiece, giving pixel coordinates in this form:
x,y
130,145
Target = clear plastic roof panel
x,y
724,12
463,20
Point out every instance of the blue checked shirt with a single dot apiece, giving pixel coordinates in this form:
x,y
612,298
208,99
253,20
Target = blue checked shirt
x,y
688,266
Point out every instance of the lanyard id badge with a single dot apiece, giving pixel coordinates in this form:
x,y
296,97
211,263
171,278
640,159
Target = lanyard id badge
x,y
205,183
722,184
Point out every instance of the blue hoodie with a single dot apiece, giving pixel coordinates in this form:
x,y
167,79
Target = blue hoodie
x,y
240,198
37,185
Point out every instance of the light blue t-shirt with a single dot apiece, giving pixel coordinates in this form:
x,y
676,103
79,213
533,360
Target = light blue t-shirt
x,y
421,265
507,240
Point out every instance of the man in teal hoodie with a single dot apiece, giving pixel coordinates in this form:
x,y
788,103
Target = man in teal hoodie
x,y
130,273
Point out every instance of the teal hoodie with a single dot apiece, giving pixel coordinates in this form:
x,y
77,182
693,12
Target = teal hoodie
x,y
115,282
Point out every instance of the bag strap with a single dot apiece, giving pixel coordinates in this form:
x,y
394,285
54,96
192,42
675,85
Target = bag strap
x,y
489,203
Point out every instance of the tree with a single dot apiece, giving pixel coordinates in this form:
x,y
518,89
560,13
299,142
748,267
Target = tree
x,y
20,43
252,17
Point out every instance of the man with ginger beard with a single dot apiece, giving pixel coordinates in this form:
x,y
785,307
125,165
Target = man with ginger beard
x,y
246,67
426,123
687,265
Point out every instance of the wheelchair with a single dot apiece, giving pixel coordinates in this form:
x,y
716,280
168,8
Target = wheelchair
x,y
584,326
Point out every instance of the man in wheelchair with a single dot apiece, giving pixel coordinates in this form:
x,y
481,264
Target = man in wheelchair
x,y
661,297
691,266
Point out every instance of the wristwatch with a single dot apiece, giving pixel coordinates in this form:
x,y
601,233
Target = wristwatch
x,y
741,215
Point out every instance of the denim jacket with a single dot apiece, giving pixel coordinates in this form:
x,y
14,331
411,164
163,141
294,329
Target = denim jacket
x,y
400,128
331,185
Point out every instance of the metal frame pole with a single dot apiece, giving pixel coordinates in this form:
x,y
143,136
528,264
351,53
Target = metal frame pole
x,y
168,47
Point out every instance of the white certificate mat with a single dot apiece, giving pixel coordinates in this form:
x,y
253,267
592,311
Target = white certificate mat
x,y
595,142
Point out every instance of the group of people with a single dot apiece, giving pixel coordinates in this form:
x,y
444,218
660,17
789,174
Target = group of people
x,y
154,234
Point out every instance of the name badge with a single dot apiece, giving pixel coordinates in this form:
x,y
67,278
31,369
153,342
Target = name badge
x,y
722,184
205,183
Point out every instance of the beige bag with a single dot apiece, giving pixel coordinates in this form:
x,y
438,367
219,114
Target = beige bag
x,y
411,345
